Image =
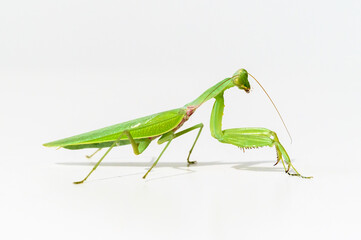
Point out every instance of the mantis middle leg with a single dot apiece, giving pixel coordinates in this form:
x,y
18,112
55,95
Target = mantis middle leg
x,y
172,135
247,137
168,137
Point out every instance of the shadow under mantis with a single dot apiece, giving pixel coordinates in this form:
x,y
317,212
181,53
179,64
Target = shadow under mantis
x,y
241,166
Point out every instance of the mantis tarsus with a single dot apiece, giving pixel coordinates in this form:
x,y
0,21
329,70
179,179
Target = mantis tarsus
x,y
139,133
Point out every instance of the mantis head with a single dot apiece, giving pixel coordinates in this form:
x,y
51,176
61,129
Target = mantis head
x,y
240,79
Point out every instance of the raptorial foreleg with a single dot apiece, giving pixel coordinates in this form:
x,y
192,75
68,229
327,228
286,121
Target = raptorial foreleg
x,y
247,137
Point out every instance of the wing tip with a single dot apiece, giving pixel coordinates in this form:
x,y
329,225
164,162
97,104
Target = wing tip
x,y
49,144
53,144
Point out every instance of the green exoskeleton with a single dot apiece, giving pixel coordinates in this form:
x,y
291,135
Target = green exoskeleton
x,y
139,133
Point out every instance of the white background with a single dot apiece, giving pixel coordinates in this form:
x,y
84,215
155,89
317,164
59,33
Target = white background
x,y
67,67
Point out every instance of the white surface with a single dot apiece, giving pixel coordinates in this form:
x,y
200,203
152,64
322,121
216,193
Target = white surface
x,y
72,66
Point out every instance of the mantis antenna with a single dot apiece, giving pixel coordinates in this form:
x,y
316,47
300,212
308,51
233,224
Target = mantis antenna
x,y
279,114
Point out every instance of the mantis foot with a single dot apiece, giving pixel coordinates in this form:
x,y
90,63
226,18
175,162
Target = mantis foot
x,y
79,182
278,160
298,175
90,156
191,162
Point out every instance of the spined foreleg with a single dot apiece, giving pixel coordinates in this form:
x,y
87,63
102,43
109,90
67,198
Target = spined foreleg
x,y
248,137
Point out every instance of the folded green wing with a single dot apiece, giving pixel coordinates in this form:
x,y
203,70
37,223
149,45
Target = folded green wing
x,y
149,126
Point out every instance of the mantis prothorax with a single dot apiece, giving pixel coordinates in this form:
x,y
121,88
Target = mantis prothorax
x,y
139,133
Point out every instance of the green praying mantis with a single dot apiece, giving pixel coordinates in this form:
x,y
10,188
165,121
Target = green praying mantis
x,y
139,133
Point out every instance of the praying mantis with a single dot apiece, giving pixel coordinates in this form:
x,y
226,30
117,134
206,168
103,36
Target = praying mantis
x,y
139,133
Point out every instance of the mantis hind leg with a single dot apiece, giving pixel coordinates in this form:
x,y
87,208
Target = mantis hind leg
x,y
138,148
90,156
138,145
